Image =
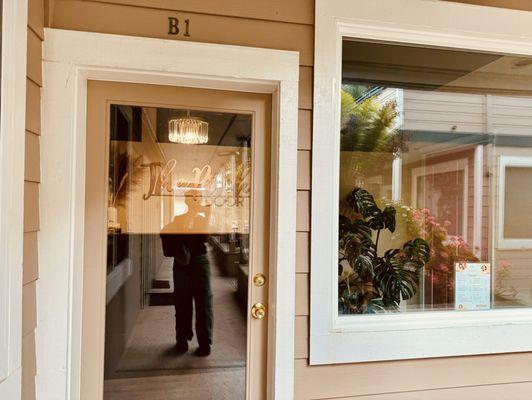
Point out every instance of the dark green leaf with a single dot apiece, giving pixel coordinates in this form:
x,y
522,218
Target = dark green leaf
x,y
363,203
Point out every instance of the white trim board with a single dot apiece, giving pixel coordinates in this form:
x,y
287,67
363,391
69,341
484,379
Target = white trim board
x,y
335,339
70,59
12,141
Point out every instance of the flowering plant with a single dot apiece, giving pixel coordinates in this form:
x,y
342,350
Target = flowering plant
x,y
445,251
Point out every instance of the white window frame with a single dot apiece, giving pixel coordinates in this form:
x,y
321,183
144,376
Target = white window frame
x,y
504,243
13,109
347,339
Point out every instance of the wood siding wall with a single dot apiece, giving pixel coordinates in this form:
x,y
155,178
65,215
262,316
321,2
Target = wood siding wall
x,y
31,194
287,25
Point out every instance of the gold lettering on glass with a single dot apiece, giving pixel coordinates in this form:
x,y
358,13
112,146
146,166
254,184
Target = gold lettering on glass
x,y
215,190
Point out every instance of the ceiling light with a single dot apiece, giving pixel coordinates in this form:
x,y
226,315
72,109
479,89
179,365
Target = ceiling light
x,y
189,130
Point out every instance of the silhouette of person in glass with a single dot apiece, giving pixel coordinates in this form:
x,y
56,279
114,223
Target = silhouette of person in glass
x,y
184,239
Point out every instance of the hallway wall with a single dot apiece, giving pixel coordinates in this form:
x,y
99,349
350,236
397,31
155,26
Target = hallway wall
x,y
121,312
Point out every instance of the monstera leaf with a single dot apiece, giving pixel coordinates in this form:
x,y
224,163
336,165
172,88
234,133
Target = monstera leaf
x,y
417,250
364,204
397,273
358,231
357,247
384,219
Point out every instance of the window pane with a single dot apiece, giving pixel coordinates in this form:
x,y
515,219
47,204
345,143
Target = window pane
x,y
422,133
517,221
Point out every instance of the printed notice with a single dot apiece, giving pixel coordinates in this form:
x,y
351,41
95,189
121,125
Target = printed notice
x,y
472,290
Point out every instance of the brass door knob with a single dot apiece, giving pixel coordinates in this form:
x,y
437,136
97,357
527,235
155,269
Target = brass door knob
x,y
259,280
258,311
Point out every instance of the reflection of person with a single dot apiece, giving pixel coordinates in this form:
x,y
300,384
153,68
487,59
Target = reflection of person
x,y
184,239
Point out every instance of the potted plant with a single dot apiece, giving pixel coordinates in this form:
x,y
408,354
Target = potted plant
x,y
370,282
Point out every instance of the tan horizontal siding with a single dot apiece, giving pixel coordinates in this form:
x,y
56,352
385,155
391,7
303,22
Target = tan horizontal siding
x,y
306,80
32,177
295,11
304,138
32,158
512,391
303,211
31,258
363,379
34,58
303,252
33,107
36,17
29,366
303,170
301,337
302,294
29,310
151,22
31,206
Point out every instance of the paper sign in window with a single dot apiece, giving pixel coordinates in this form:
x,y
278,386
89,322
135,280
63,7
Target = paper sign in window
x,y
472,286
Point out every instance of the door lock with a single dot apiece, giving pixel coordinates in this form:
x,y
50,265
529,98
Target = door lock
x,y
258,311
259,280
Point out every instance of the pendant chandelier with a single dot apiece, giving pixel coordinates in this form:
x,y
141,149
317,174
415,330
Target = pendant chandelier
x,y
188,130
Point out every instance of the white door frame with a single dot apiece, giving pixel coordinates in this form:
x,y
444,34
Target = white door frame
x,y
70,58
12,140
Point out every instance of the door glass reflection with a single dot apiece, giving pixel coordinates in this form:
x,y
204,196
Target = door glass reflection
x,y
178,250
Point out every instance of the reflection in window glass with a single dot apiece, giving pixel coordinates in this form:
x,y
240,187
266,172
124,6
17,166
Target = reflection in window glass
x,y
518,224
422,133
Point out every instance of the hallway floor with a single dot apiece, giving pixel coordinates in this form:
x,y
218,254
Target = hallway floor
x,y
213,384
149,369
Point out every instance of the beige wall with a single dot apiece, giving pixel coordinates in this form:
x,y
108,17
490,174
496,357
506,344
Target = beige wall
x,y
31,195
288,25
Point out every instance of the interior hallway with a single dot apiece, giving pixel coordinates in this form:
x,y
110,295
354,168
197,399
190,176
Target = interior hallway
x,y
149,369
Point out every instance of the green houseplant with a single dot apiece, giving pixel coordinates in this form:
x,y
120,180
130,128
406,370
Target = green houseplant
x,y
370,282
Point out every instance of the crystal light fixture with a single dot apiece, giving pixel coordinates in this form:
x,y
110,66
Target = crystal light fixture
x,y
188,130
